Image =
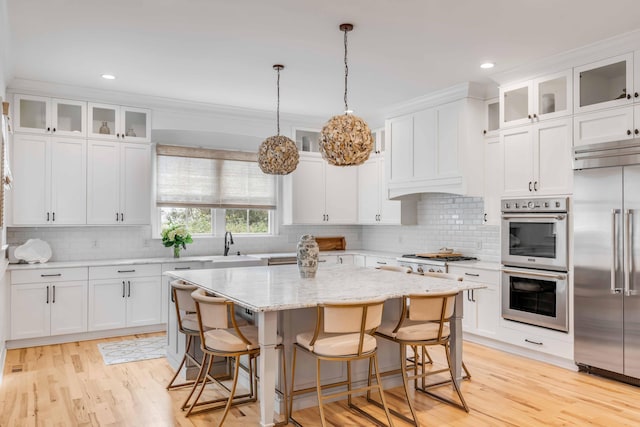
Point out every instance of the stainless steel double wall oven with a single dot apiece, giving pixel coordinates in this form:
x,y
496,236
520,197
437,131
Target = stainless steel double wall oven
x,y
535,259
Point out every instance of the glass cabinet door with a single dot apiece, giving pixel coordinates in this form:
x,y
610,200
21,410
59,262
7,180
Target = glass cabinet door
x,y
104,121
603,84
69,117
32,114
515,108
491,117
552,96
307,140
136,124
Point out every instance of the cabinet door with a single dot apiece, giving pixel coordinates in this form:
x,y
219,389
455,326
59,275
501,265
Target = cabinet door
x,y
553,157
518,162
68,118
68,181
346,259
30,311
493,175
400,131
136,124
103,182
107,304
144,304
327,260
341,194
68,307
448,118
491,117
104,121
603,126
31,179
487,310
32,114
390,210
469,315
516,104
552,96
368,192
307,192
135,183
603,84
424,159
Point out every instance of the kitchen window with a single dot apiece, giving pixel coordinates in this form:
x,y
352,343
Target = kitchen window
x,y
213,191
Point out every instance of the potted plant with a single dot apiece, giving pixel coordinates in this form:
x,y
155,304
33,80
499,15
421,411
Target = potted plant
x,y
176,235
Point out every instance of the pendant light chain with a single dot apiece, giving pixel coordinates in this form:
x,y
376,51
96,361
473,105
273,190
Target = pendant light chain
x,y
278,105
346,72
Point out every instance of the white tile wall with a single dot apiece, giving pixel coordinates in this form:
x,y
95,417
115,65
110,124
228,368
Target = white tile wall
x,y
443,220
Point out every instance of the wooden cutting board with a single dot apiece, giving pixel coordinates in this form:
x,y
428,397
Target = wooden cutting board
x,y
439,255
337,243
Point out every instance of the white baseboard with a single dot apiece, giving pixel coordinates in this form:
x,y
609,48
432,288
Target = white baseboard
x,y
84,336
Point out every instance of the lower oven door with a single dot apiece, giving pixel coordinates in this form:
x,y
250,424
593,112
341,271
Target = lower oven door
x,y
536,297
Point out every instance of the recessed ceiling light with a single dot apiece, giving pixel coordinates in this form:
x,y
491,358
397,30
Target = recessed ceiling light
x,y
487,65
108,76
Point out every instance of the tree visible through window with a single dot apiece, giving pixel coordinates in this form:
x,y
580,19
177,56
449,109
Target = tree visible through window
x,y
197,220
247,220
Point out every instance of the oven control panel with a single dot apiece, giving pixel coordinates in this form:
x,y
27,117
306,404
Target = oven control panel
x,y
560,204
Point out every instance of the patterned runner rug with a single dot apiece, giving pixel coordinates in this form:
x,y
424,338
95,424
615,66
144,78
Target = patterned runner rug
x,y
114,352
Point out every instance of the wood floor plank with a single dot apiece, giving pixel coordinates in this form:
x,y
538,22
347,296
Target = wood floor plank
x,y
69,385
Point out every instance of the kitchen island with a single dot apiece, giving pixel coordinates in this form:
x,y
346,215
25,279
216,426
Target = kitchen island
x,y
271,290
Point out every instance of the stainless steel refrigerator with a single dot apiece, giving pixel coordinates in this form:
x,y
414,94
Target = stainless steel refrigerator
x,y
607,259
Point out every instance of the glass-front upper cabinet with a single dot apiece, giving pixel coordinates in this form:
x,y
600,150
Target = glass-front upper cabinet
x,y
42,115
603,84
307,139
119,123
378,141
491,117
534,100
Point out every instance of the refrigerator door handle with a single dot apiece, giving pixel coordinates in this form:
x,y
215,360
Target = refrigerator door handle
x,y
614,245
628,248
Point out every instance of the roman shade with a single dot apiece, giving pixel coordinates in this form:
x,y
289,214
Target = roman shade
x,y
198,177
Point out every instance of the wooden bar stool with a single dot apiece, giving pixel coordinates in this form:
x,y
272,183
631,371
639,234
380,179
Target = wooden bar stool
x,y
343,333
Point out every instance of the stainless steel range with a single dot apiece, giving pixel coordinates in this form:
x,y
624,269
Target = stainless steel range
x,y
420,264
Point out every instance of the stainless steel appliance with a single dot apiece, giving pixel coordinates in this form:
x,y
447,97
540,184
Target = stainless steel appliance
x,y
535,233
420,264
607,253
536,297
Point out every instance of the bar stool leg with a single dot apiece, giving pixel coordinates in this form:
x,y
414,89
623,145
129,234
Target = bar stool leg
x,y
195,383
204,384
319,389
405,383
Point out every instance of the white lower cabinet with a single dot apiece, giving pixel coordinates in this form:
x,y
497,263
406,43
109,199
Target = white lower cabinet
x,y
378,261
481,306
124,296
50,306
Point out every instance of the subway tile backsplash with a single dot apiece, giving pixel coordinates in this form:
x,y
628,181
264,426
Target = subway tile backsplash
x,y
443,220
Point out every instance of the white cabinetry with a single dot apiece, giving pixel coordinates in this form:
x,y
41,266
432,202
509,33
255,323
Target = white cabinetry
x,y
49,180
374,206
119,183
319,193
481,306
493,180
603,84
51,116
607,125
121,123
491,117
528,102
537,159
378,261
48,302
124,296
436,149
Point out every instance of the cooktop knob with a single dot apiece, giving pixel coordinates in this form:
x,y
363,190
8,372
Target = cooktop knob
x,y
431,270
530,204
546,204
515,205
420,270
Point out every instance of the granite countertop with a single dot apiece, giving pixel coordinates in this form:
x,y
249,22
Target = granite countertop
x,y
280,287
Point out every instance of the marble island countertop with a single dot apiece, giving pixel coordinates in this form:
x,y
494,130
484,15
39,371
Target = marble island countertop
x,y
280,287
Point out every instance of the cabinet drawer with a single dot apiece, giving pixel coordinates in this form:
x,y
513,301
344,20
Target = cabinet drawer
x,y
374,261
544,343
180,266
118,271
476,274
48,275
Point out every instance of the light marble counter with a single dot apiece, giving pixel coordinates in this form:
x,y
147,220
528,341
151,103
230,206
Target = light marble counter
x,y
276,288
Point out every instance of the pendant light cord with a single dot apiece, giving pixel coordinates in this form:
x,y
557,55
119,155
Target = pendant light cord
x,y
346,73
278,105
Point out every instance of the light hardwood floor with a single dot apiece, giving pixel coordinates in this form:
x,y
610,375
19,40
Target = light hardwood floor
x,y
68,385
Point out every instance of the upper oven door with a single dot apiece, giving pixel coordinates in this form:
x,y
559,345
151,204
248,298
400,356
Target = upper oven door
x,y
535,240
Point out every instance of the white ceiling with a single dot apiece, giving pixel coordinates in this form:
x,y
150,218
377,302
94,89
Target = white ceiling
x,y
222,51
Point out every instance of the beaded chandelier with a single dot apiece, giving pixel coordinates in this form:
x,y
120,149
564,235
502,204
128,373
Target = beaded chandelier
x,y
278,155
345,139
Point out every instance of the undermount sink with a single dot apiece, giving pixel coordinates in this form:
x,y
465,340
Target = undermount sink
x,y
221,261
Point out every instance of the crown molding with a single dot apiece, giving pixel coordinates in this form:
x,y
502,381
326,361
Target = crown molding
x,y
155,103
613,46
439,97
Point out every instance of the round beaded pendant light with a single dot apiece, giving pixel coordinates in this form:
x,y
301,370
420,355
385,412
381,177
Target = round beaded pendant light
x,y
346,140
278,155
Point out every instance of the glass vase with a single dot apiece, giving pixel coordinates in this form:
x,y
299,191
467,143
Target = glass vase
x,y
176,251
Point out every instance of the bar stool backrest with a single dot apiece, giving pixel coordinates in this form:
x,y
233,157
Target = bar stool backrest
x,y
341,318
432,307
182,295
213,310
